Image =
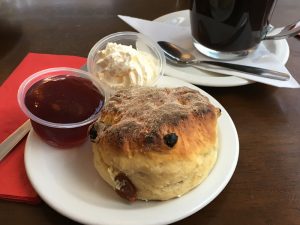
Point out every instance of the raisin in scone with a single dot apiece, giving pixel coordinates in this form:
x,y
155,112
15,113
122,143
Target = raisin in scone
x,y
155,143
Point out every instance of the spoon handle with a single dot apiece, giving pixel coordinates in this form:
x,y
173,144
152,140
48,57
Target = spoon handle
x,y
10,142
283,32
240,70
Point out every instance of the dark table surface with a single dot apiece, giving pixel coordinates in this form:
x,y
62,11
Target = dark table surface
x,y
265,188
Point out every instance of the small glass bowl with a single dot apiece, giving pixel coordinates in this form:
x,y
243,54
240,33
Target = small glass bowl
x,y
139,42
61,135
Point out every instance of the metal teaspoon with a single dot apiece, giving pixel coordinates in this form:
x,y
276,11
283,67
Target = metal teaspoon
x,y
181,57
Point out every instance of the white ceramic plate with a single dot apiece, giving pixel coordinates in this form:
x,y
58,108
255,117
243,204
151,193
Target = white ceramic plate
x,y
279,48
68,182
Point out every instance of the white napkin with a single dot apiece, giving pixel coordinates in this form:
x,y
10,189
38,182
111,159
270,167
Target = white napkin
x,y
181,35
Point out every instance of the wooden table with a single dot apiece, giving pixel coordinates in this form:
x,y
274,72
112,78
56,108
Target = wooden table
x,y
265,188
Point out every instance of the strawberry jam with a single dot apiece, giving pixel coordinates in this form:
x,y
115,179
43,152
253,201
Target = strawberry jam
x,y
63,100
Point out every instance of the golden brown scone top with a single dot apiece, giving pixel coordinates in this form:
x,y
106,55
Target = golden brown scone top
x,y
151,119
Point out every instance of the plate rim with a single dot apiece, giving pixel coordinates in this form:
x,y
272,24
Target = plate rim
x,y
282,44
189,212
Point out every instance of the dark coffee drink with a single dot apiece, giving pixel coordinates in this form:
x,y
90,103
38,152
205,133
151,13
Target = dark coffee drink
x,y
230,25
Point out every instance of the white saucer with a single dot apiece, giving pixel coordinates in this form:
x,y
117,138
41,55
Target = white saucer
x,y
279,48
68,182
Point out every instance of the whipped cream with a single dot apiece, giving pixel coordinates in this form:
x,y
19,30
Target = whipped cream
x,y
123,66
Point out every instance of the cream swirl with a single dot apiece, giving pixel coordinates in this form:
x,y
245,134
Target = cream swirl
x,y
123,66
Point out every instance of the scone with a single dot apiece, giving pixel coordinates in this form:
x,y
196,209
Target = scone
x,y
155,143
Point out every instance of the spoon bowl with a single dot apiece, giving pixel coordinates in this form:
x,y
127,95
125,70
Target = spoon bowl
x,y
175,54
